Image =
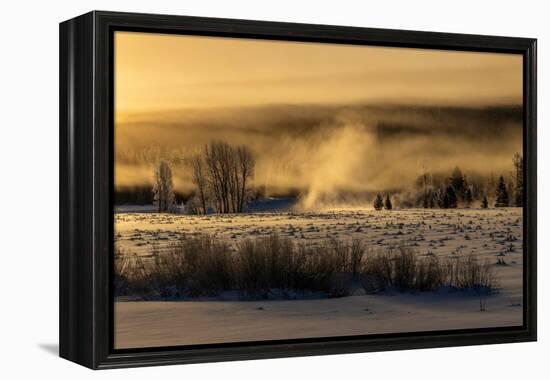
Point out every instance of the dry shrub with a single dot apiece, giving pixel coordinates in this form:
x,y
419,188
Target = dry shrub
x,y
378,264
340,285
130,275
467,273
430,274
372,283
275,266
265,264
196,266
403,269
357,252
276,263
316,269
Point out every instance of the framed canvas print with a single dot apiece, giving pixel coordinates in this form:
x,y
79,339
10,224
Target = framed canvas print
x,y
237,189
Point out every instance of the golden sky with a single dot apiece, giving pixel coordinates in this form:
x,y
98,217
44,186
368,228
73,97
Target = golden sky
x,y
315,115
162,71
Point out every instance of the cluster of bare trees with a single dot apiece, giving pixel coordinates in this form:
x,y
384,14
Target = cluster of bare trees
x,y
221,174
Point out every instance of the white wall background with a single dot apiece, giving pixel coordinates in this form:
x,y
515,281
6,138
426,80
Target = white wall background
x,y
29,187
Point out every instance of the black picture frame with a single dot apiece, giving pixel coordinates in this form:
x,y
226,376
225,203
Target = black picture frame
x,y
86,188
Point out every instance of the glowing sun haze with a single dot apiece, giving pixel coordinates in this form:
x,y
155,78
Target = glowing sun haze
x,y
319,117
158,72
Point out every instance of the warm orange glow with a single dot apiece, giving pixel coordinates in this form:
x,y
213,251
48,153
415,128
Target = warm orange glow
x,y
158,72
316,115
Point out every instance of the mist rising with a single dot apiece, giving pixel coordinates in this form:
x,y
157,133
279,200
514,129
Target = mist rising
x,y
323,151
324,121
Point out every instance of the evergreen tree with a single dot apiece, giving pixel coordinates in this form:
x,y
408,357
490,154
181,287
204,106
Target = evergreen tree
x,y
387,203
449,198
431,200
458,182
441,198
491,186
501,194
423,184
484,202
468,197
378,202
518,179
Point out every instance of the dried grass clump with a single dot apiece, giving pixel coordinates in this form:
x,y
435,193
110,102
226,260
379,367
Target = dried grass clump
x,y
468,273
275,266
405,270
276,263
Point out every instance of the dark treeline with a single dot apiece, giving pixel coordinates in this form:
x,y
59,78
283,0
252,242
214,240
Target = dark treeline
x,y
457,190
136,195
142,195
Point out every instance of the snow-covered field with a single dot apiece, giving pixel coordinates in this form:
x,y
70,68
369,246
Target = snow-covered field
x,y
492,235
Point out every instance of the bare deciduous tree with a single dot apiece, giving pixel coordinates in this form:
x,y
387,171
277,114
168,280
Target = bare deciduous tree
x,y
163,188
245,167
213,159
199,179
